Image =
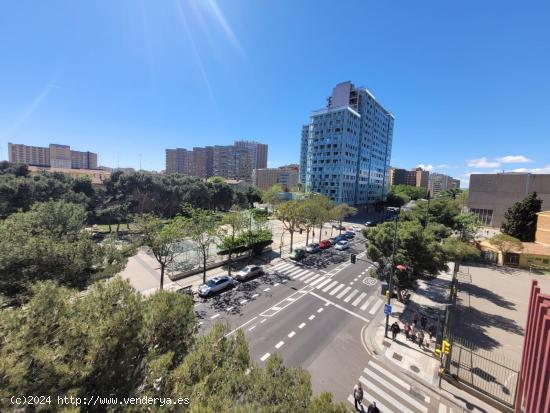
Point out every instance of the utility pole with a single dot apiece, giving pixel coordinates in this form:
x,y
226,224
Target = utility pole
x,y
389,292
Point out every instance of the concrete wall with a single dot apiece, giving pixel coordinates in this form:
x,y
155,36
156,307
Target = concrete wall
x,y
498,192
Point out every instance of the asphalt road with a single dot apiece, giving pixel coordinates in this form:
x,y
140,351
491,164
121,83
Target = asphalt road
x,y
312,314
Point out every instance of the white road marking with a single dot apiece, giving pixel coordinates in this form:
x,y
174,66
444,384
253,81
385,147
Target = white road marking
x,y
389,375
351,283
339,307
385,396
308,280
318,280
323,283
200,323
241,326
311,317
375,307
296,271
403,395
302,325
252,328
344,292
298,274
337,289
267,289
275,285
366,304
350,296
255,295
265,357
328,287
327,304
276,308
263,321
243,301
304,275
358,299
320,310
279,344
215,316
291,334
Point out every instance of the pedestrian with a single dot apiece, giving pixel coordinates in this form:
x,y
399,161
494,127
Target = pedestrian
x,y
415,319
372,408
395,330
358,396
431,330
420,338
407,330
423,322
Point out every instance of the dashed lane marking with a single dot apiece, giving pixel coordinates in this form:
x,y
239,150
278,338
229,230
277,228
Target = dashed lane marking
x,y
291,334
302,325
279,344
265,357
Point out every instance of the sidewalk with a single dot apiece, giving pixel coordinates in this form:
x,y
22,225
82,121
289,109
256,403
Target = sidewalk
x,y
420,364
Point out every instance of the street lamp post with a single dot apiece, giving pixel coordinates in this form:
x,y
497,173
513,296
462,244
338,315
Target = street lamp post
x,y
389,293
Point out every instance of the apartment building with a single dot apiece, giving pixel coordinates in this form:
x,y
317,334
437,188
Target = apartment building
x,y
229,161
490,195
397,176
440,182
346,147
287,176
417,177
54,156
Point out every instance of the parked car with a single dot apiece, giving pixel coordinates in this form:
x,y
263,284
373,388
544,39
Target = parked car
x,y
370,223
340,238
215,284
313,247
324,244
338,227
349,234
297,254
248,272
356,228
342,245
332,240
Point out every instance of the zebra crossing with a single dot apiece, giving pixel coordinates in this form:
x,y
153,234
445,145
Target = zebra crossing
x,y
392,394
323,282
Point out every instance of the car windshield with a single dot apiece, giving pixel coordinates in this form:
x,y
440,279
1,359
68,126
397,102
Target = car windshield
x,y
211,283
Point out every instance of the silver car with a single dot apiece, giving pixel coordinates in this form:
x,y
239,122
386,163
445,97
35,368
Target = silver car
x,y
248,272
313,247
342,245
215,284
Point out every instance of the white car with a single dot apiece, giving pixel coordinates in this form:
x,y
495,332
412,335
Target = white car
x,y
342,245
215,284
356,228
248,272
312,248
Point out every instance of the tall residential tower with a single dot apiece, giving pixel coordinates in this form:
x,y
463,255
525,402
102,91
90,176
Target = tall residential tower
x,y
346,147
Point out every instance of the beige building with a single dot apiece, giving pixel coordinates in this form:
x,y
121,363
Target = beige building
x,y
97,176
417,177
440,182
490,195
56,156
287,176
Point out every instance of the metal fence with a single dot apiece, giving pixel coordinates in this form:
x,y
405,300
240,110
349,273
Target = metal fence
x,y
489,373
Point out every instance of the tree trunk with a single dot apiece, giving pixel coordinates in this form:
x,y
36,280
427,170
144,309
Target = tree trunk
x,y
162,275
340,227
117,226
320,232
291,239
307,236
204,268
110,229
127,225
229,258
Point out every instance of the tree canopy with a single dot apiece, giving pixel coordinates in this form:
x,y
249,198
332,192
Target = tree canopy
x,y
411,192
520,220
115,342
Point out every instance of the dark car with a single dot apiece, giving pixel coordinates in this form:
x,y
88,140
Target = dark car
x,y
349,235
297,254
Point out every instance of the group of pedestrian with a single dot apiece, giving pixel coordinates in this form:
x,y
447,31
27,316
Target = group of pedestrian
x,y
415,331
358,397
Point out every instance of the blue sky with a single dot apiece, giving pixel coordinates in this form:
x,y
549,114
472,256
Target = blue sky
x,y
468,81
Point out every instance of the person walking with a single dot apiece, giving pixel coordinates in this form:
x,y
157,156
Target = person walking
x,y
395,330
420,338
431,330
372,408
407,330
415,319
358,396
423,322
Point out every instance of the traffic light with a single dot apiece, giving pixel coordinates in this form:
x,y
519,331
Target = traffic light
x,y
446,346
353,258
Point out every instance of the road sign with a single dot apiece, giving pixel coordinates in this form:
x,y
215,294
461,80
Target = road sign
x,y
387,309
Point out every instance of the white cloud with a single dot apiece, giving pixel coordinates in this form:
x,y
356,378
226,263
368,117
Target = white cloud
x,y
544,170
483,163
426,167
514,159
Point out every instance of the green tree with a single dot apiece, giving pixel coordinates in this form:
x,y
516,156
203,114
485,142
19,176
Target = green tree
x,y
506,243
467,224
307,211
163,240
323,208
520,220
233,223
396,200
459,250
341,212
253,195
412,192
201,227
289,214
271,196
49,243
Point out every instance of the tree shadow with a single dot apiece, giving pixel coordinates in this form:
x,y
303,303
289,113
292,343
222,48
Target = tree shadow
x,y
471,324
480,292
